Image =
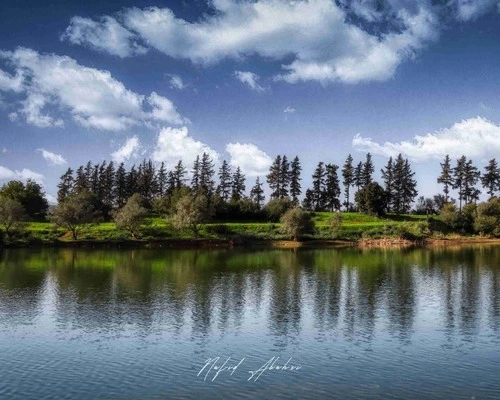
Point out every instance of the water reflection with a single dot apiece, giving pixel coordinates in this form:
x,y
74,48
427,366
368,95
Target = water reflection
x,y
347,291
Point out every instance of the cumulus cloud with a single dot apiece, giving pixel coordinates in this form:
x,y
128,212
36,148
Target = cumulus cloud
x,y
52,158
92,97
250,79
176,82
105,35
174,144
127,151
467,10
322,43
474,137
7,174
252,160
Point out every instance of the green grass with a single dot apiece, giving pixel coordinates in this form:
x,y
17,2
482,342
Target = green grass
x,y
354,226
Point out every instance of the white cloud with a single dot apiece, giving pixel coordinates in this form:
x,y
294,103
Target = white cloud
x,y
7,174
11,83
250,79
50,198
174,144
92,96
52,158
176,82
252,160
467,10
316,35
289,110
127,151
106,35
474,137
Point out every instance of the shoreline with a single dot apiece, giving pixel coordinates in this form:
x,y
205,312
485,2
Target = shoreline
x,y
274,244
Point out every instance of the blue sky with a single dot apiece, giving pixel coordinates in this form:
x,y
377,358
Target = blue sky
x,y
246,81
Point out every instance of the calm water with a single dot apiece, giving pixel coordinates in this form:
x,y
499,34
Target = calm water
x,y
140,324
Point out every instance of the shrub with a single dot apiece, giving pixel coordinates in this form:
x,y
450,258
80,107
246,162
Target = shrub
x,y
297,222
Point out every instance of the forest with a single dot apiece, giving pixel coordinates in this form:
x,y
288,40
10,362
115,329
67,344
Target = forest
x,y
217,203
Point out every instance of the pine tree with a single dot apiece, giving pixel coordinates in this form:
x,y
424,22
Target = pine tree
x,y
367,171
81,183
257,193
101,181
94,180
295,187
65,186
446,177
308,202
471,178
120,191
161,179
179,173
459,179
195,179
348,175
131,182
403,186
207,171
171,183
358,176
284,177
409,187
89,170
238,187
318,182
491,178
225,181
388,178
109,185
331,191
274,178
147,185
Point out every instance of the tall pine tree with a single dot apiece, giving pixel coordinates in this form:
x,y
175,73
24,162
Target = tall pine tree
x,y
491,178
295,187
348,180
446,177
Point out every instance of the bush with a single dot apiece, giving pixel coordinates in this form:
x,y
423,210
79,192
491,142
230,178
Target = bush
x,y
276,208
488,218
297,222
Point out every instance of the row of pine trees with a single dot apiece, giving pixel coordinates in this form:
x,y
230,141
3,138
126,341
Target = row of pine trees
x,y
113,185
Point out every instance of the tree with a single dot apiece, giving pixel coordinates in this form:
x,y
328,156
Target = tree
x,y
225,181
120,189
446,177
491,178
308,202
191,212
471,178
195,177
131,216
388,178
80,183
238,187
11,214
367,171
425,206
284,177
459,179
276,208
371,199
348,175
297,222
295,187
207,171
178,174
65,185
131,185
336,223
76,213
257,193
318,183
331,190
161,180
274,178
488,218
30,195
358,176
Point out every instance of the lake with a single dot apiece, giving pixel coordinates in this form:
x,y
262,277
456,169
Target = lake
x,y
250,324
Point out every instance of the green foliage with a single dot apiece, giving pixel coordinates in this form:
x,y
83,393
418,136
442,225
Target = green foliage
x,y
372,199
336,224
11,215
77,213
191,212
30,195
297,222
276,208
488,218
131,216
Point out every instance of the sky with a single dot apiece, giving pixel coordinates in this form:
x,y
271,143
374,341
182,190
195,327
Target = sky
x,y
245,81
